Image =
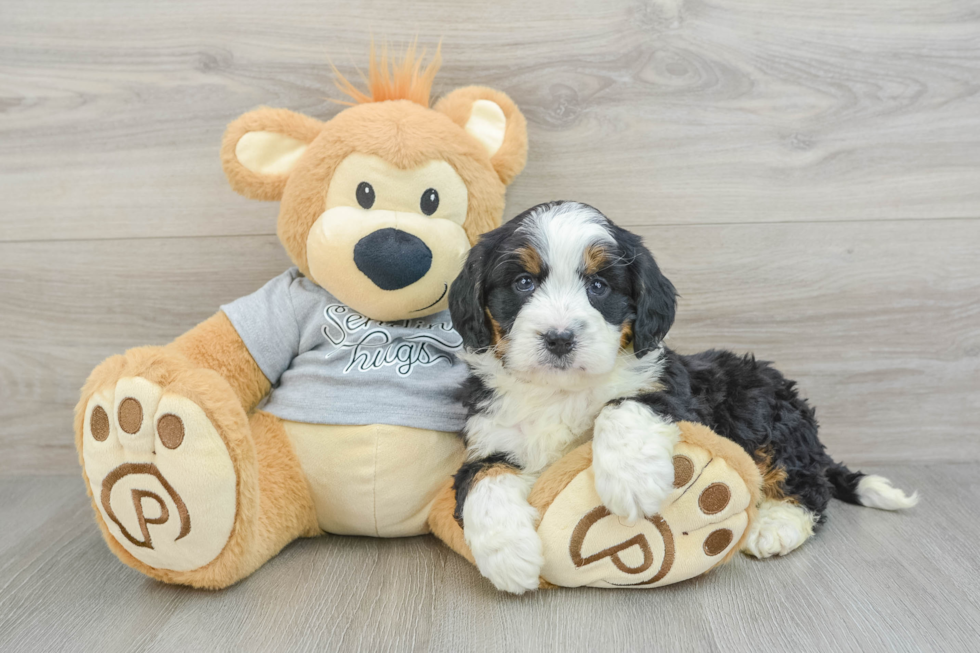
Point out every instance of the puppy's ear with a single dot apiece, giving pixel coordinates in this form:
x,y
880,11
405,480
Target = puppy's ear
x,y
654,296
467,297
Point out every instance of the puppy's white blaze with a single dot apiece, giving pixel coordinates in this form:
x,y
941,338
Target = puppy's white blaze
x,y
561,235
632,458
878,492
779,528
500,527
564,231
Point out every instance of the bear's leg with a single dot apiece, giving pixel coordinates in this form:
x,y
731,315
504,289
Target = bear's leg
x,y
442,523
701,524
286,510
186,487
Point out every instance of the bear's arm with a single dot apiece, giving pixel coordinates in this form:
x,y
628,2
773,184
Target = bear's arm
x,y
215,344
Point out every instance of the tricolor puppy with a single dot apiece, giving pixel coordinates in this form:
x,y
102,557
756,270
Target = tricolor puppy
x,y
563,315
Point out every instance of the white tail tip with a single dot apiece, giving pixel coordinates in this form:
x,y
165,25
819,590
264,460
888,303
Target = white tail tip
x,y
878,492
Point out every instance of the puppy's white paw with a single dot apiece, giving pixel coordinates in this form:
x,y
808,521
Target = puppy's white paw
x,y
631,497
779,528
511,561
500,527
632,459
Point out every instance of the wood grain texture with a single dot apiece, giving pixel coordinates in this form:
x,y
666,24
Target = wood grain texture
x,y
882,336
807,176
670,111
869,581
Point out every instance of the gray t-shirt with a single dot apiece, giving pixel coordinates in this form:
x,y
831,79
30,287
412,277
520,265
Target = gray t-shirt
x,y
330,365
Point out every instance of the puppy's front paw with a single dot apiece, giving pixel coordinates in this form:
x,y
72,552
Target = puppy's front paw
x,y
500,527
632,458
631,497
511,560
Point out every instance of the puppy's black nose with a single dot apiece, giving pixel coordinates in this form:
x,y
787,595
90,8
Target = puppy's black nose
x,y
559,343
392,259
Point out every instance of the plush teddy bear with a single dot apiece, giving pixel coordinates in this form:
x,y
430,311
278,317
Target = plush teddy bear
x,y
326,401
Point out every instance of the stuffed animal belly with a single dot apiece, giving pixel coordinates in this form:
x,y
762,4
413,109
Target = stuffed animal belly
x,y
376,480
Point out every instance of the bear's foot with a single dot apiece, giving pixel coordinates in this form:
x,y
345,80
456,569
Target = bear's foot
x,y
699,526
160,475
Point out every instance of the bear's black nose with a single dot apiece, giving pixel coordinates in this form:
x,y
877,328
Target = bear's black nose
x,y
392,259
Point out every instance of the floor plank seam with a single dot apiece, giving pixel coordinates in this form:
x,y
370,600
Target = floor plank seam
x,y
655,225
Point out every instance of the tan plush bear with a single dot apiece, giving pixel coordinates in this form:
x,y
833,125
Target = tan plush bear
x,y
325,402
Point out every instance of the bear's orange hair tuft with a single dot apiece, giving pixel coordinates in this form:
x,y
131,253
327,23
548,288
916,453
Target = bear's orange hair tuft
x,y
399,80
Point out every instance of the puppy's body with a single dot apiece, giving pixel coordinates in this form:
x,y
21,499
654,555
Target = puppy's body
x,y
750,402
563,315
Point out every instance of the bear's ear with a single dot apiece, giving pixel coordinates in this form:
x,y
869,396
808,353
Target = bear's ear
x,y
495,122
261,147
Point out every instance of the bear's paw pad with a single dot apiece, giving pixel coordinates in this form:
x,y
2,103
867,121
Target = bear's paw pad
x,y
699,524
160,475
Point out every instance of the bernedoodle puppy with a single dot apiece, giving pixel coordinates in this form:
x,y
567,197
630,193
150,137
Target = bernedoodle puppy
x,y
563,315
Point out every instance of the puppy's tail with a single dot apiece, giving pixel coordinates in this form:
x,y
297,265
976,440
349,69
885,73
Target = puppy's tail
x,y
872,490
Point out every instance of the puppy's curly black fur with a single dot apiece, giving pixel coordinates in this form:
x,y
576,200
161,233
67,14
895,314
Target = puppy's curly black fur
x,y
750,402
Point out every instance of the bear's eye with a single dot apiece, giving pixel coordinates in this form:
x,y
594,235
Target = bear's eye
x,y
430,201
365,195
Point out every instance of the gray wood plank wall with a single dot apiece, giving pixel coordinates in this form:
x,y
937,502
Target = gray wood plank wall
x,y
808,174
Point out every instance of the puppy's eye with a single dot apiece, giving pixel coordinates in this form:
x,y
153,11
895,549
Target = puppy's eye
x,y
430,201
524,283
365,195
597,288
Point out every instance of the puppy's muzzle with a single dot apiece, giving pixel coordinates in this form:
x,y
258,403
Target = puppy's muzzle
x,y
392,259
558,343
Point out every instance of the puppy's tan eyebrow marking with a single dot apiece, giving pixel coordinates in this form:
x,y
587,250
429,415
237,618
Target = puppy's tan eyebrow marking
x,y
595,258
530,259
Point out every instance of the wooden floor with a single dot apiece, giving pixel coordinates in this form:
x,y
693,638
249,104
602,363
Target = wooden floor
x,y
808,175
870,581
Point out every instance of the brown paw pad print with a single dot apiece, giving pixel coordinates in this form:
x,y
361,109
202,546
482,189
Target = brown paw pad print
x,y
170,427
683,470
100,424
138,495
130,415
713,500
717,541
613,552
